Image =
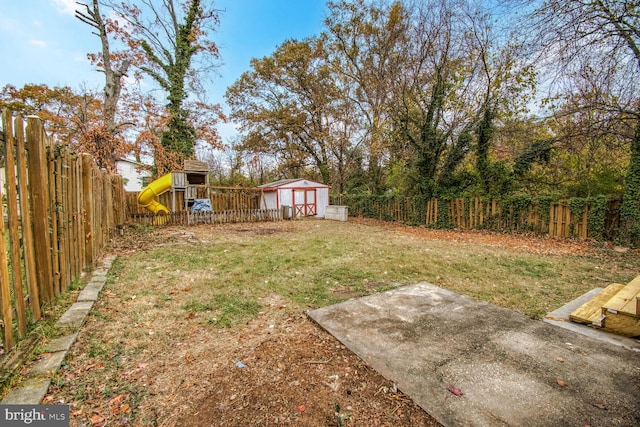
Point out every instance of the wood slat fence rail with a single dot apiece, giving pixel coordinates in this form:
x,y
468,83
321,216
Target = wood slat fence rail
x,y
59,210
579,218
185,218
228,201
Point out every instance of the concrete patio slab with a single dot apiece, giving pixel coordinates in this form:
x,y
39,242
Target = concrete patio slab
x,y
511,370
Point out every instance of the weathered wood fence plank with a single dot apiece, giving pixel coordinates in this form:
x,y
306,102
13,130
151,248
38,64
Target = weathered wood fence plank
x,y
39,195
477,213
27,224
87,206
5,292
14,226
58,205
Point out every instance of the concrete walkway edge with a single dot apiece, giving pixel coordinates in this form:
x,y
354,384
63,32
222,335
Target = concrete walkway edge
x,y
34,388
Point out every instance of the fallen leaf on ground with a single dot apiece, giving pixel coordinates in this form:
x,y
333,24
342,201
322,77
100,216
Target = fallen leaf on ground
x,y
97,420
600,405
455,390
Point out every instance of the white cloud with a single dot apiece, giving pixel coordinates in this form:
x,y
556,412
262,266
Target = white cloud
x,y
67,7
38,43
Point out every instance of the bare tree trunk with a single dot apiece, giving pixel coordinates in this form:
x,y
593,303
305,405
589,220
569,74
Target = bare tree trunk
x,y
113,83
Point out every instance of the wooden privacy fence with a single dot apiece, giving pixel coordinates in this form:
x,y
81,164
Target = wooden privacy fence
x,y
583,218
558,221
60,211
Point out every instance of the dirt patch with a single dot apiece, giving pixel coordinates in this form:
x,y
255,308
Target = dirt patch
x,y
279,369
143,238
303,376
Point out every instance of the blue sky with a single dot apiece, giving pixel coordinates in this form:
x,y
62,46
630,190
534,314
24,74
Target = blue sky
x,y
42,42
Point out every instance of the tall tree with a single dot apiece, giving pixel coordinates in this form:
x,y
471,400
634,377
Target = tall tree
x,y
58,106
456,78
67,114
172,44
72,118
113,67
102,138
599,41
364,39
286,106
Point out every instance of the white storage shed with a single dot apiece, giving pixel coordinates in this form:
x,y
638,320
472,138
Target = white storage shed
x,y
304,197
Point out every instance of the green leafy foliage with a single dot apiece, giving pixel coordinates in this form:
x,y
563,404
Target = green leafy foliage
x,y
597,215
630,209
537,152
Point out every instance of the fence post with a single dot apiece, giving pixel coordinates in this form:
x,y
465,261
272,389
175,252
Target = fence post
x,y
107,206
27,224
77,254
583,222
61,209
39,191
68,209
53,223
567,221
14,233
87,193
5,292
118,201
80,216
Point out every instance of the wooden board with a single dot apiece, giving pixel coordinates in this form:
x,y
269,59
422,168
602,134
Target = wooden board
x,y
178,179
621,324
591,311
195,165
626,300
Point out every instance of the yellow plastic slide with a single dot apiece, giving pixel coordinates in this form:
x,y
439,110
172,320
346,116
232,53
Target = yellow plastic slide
x,y
147,196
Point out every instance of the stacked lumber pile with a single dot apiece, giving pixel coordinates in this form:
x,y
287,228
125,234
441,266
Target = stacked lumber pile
x,y
615,309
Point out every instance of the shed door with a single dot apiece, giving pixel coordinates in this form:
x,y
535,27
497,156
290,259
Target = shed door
x,y
304,202
310,202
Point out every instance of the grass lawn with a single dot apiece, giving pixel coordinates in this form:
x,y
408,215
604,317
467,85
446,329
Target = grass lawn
x,y
183,305
315,263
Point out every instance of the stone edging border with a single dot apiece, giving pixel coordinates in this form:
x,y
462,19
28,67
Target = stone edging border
x,y
33,390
